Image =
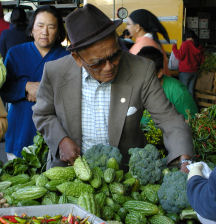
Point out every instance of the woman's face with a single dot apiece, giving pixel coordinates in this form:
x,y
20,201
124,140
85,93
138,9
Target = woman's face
x,y
131,27
45,30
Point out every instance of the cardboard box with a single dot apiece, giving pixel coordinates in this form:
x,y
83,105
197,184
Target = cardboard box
x,y
192,22
52,210
204,33
203,23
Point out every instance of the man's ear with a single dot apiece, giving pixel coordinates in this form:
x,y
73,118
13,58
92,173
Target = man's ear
x,y
77,58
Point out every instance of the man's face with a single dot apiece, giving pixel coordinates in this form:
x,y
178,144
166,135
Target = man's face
x,y
101,59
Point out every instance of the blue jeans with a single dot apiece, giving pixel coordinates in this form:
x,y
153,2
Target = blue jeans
x,y
188,79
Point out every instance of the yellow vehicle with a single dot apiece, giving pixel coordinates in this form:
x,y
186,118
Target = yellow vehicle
x,y
169,12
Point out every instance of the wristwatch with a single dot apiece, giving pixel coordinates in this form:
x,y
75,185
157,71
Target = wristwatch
x,y
185,161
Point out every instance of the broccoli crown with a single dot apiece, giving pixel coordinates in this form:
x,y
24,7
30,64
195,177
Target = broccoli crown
x,y
98,155
145,164
172,193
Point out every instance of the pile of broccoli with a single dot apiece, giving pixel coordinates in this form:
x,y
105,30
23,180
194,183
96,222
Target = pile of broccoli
x,y
98,155
172,193
145,164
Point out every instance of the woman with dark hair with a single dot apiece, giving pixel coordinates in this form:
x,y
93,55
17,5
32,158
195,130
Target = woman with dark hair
x,y
144,26
16,34
25,63
190,56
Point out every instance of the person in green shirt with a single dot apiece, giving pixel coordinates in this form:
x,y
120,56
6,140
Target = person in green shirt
x,y
174,90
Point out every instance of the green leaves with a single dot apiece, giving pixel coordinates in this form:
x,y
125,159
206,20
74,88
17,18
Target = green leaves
x,y
209,65
33,161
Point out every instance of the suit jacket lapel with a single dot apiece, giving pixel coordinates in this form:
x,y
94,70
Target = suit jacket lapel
x,y
120,98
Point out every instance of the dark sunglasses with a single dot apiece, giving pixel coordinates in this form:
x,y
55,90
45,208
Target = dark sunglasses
x,y
102,62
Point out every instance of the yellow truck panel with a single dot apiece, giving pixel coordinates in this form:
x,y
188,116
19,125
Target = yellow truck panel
x,y
169,12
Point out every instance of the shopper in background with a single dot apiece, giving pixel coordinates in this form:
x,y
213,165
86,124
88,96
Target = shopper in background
x,y
3,24
24,63
190,56
174,90
144,27
98,94
126,37
16,34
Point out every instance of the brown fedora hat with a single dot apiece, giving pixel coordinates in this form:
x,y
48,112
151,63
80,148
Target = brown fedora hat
x,y
87,25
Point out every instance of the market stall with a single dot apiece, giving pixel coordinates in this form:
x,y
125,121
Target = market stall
x,y
95,187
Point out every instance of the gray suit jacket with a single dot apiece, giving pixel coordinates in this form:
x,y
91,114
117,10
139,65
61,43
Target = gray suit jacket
x,y
57,112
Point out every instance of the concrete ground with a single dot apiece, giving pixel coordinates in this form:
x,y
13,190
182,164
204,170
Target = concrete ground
x,y
3,156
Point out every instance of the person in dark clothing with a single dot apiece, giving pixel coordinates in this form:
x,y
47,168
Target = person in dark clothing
x,y
201,193
126,38
16,34
3,24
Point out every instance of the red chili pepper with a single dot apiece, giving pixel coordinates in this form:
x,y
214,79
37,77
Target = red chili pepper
x,y
71,221
10,218
76,222
4,221
64,218
50,220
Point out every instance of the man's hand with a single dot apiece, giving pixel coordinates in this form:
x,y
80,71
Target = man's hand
x,y
31,91
68,150
184,161
3,126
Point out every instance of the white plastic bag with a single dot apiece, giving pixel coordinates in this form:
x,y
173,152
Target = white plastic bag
x,y
173,62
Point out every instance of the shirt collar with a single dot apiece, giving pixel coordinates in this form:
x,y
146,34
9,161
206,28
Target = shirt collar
x,y
86,76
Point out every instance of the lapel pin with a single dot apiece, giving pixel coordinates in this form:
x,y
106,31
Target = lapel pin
x,y
122,100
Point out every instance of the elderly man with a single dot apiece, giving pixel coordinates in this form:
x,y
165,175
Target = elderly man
x,y
98,94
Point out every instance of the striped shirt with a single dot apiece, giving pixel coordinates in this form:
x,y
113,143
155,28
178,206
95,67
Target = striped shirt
x,y
95,111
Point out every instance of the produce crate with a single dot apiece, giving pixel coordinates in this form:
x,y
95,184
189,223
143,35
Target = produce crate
x,y
204,98
206,82
205,89
52,210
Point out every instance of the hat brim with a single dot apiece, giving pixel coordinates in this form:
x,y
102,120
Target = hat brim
x,y
96,38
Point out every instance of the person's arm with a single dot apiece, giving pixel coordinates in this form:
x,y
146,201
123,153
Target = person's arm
x,y
3,49
179,54
13,89
176,133
46,122
201,193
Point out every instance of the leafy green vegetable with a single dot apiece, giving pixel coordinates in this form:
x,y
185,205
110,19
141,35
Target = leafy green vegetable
x,y
33,161
145,164
203,127
172,193
209,64
98,155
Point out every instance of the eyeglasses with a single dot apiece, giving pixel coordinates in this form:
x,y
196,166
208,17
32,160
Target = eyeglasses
x,y
102,62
